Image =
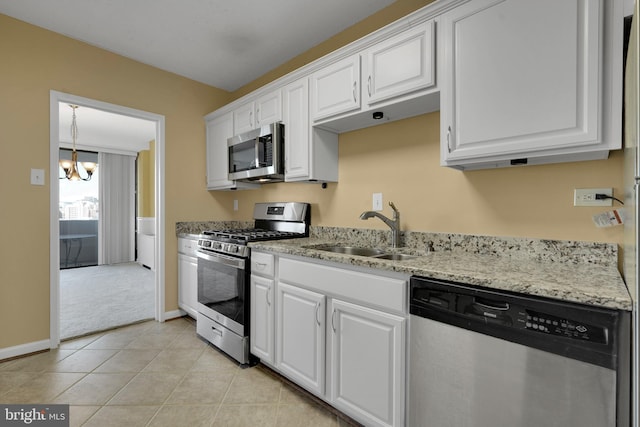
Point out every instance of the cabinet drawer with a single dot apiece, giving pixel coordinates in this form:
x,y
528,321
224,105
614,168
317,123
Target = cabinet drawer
x,y
235,345
369,289
262,264
187,246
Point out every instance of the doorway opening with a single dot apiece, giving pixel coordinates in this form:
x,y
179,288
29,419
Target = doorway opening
x,y
116,271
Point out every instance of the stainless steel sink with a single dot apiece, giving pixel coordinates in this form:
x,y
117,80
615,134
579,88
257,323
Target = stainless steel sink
x,y
351,250
395,257
361,251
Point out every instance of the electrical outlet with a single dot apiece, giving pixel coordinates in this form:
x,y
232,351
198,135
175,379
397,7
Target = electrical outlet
x,y
587,197
377,201
235,204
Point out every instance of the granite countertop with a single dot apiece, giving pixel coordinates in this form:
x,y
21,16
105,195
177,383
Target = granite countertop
x,y
573,271
590,282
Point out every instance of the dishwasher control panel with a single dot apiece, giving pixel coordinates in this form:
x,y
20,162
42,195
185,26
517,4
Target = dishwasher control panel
x,y
559,326
504,312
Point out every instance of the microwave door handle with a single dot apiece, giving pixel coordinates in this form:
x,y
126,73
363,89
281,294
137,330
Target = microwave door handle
x,y
257,151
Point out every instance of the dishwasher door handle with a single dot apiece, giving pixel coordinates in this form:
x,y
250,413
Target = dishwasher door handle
x,y
491,305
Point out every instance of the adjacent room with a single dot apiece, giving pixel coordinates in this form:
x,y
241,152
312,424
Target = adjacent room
x,y
106,220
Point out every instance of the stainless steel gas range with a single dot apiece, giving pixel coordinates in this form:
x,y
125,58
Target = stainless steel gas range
x,y
223,273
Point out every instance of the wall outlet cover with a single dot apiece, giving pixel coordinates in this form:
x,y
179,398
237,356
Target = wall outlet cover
x,y
587,197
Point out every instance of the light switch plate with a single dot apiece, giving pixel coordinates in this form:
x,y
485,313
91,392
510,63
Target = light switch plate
x,y
377,201
37,176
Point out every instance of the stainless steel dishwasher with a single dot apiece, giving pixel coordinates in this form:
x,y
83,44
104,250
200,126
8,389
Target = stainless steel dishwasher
x,y
482,358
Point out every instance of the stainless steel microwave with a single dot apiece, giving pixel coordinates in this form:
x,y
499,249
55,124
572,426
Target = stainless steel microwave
x,y
258,155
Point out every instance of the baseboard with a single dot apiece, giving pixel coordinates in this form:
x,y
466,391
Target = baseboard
x,y
168,315
22,349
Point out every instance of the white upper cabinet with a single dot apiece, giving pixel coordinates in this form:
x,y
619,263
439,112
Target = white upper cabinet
x,y
397,78
296,125
310,154
335,89
523,82
219,129
263,111
399,65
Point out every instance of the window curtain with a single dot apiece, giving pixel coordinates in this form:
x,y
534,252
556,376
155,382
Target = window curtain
x,y
117,208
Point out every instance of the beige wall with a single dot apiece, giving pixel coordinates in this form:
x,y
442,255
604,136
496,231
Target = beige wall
x,y
146,181
398,159
401,160
35,61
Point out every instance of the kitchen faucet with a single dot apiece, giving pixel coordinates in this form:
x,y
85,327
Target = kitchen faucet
x,y
394,223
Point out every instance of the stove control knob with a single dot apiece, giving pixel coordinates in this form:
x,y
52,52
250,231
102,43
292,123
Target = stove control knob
x,y
233,248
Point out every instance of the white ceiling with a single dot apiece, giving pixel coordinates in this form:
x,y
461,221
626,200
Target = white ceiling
x,y
103,131
223,43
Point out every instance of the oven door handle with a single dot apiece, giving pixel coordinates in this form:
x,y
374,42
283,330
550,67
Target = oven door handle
x,y
222,259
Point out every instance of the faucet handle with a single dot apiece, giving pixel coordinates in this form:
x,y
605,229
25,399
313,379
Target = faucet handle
x,y
393,207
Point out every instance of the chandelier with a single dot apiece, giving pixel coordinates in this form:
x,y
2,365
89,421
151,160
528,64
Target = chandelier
x,y
70,167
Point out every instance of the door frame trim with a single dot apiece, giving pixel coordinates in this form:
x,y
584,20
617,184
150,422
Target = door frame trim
x,y
55,98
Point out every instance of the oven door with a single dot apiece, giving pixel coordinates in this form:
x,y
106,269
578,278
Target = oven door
x,y
222,282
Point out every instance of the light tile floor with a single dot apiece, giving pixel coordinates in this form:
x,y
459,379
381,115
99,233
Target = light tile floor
x,y
158,374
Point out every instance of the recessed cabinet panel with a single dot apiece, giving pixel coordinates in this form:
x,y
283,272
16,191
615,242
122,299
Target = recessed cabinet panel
x,y
402,64
244,119
296,124
515,86
336,88
188,284
262,318
300,340
269,109
367,363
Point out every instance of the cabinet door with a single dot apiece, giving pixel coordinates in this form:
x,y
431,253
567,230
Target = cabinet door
x,y
400,65
300,337
367,363
336,88
218,131
244,118
520,77
262,318
188,284
296,124
269,108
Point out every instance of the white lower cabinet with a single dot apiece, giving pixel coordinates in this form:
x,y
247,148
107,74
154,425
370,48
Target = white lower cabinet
x,y
339,333
187,276
367,363
261,323
300,338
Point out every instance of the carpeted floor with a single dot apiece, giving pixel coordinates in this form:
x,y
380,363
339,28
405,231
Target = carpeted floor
x,y
98,298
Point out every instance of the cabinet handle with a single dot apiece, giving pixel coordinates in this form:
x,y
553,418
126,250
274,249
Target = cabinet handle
x,y
333,325
216,331
261,265
317,309
257,115
369,86
268,293
448,139
354,92
251,118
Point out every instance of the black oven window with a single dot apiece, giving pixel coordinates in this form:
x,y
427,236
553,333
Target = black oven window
x,y
221,288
